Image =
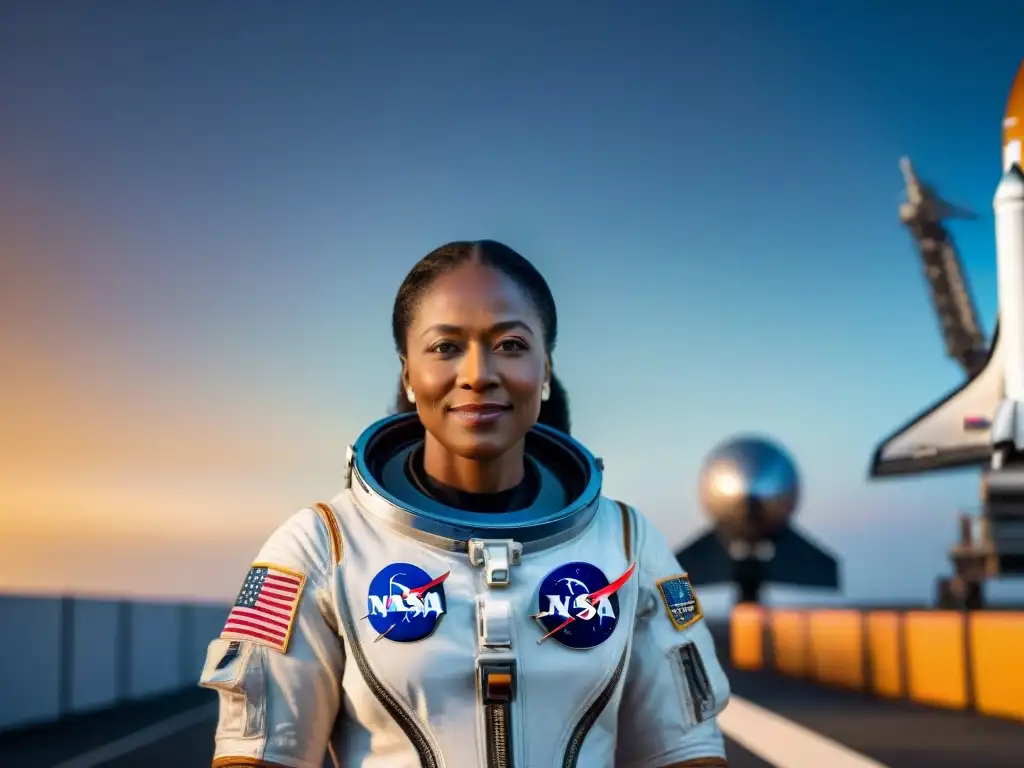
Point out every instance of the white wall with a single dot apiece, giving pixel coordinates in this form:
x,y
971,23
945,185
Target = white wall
x,y
66,656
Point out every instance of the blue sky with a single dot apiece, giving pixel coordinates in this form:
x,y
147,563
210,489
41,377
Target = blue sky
x,y
208,209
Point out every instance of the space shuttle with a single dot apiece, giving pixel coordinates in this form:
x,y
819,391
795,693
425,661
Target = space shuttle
x,y
981,421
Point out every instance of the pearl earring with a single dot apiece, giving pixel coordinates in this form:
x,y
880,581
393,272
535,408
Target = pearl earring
x,y
545,392
410,395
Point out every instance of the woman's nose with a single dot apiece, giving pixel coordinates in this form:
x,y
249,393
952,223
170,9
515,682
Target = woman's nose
x,y
477,369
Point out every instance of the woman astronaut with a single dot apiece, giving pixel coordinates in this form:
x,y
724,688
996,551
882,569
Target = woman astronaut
x,y
470,599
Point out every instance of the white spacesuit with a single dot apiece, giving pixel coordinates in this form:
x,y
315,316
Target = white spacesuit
x,y
386,630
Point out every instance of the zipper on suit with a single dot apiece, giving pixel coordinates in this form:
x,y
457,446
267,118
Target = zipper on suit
x,y
579,733
497,680
697,683
405,720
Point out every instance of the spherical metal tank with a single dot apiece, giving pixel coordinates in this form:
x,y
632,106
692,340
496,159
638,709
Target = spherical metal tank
x,y
749,487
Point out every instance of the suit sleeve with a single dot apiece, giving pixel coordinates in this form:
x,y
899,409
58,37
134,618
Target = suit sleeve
x,y
675,687
278,663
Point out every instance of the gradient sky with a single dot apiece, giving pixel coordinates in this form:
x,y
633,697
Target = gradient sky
x,y
206,209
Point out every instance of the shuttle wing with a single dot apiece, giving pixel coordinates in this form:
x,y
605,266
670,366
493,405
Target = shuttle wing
x,y
801,562
955,432
798,561
706,560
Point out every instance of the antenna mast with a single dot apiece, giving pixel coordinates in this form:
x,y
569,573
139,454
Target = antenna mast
x,y
923,214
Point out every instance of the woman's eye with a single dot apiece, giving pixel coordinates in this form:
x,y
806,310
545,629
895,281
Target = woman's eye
x,y
511,345
444,348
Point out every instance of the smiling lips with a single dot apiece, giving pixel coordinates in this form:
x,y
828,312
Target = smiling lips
x,y
480,413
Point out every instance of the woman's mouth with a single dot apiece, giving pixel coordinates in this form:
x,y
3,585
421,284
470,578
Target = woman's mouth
x,y
480,413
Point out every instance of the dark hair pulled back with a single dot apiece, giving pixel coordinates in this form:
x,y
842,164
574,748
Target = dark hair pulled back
x,y
555,411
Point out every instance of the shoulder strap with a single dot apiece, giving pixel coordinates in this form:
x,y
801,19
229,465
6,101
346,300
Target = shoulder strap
x,y
333,531
627,529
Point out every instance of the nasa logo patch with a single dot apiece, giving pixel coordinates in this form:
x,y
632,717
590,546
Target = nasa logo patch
x,y
577,606
680,601
405,603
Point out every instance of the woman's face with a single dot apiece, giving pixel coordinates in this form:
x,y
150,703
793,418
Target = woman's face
x,y
476,362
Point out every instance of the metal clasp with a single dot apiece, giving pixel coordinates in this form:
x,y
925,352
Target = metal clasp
x,y
497,681
493,624
350,459
496,673
497,556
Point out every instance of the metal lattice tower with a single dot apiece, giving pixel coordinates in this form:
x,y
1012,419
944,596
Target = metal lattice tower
x,y
923,215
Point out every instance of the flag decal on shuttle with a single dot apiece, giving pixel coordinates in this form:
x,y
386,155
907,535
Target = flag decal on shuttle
x,y
976,423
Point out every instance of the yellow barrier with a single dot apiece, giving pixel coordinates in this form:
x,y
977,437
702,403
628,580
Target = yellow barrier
x,y
939,658
936,658
836,651
885,653
789,642
746,637
997,667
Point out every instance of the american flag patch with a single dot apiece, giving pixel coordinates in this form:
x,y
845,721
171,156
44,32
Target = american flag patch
x,y
265,609
976,423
